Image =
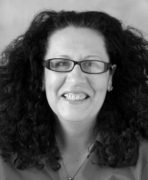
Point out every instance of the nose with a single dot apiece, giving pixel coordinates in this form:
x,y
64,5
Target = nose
x,y
76,75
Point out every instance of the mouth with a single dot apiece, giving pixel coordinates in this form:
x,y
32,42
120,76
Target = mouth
x,y
70,96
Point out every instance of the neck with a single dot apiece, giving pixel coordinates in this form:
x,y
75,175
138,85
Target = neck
x,y
75,136
74,139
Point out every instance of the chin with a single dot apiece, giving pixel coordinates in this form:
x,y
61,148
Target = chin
x,y
75,117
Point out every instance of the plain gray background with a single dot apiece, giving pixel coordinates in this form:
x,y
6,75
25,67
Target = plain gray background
x,y
15,15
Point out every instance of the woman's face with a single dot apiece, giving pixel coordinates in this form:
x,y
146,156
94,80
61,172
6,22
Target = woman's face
x,y
75,95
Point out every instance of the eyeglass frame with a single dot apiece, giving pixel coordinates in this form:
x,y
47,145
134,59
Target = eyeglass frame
x,y
108,65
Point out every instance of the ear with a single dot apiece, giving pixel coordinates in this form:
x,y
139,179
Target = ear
x,y
112,71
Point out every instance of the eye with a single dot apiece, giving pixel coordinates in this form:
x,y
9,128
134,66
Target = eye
x,y
88,64
60,64
93,66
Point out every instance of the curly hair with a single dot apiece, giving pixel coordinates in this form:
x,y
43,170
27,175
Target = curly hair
x,y
27,123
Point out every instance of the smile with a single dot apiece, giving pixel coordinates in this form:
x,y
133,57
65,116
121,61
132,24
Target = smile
x,y
75,96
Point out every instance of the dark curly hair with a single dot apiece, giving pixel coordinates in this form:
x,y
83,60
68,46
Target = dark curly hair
x,y
27,124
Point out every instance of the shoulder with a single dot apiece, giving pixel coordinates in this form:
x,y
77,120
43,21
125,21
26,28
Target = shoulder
x,y
143,160
143,151
8,172
2,174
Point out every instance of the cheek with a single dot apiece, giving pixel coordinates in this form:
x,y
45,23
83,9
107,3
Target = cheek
x,y
100,84
52,84
52,80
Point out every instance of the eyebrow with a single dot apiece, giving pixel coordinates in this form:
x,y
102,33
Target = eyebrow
x,y
94,56
86,57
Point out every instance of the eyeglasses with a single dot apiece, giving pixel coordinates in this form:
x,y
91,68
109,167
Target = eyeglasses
x,y
67,65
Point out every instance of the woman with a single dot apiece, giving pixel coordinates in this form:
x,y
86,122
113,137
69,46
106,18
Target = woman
x,y
73,100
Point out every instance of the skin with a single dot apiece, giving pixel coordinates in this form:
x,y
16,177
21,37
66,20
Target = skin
x,y
76,44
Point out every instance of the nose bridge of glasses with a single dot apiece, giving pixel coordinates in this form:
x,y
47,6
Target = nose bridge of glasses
x,y
76,76
77,65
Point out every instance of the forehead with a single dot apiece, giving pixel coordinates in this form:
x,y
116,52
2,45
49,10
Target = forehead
x,y
76,40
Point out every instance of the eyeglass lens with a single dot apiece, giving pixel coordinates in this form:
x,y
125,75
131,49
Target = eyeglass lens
x,y
65,65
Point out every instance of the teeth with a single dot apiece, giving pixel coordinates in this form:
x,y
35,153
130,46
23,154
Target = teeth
x,y
75,97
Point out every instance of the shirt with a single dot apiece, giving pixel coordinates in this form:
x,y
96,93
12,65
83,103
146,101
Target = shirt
x,y
88,172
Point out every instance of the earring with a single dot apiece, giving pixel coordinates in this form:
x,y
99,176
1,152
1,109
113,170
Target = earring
x,y
110,88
